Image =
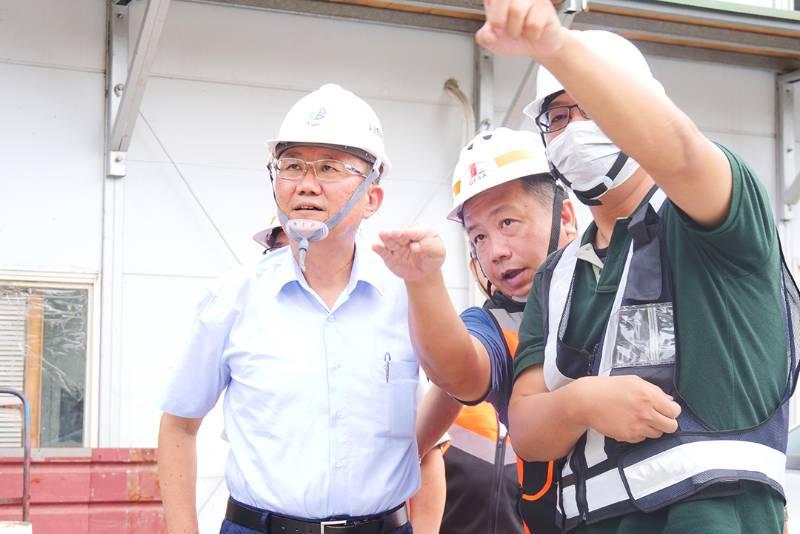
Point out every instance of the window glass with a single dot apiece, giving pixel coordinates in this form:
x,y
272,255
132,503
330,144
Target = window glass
x,y
43,350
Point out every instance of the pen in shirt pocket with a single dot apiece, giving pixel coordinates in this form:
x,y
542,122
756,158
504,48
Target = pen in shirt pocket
x,y
387,360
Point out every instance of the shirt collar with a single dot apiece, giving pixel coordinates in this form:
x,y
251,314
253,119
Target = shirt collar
x,y
366,268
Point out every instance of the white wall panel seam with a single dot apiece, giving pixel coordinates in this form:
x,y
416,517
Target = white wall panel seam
x,y
54,66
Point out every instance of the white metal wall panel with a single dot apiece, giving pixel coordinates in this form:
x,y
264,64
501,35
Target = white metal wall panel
x,y
51,170
158,312
166,231
51,102
53,34
722,98
257,48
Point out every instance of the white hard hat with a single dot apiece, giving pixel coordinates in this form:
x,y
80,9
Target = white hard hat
x,y
261,237
333,116
610,45
492,158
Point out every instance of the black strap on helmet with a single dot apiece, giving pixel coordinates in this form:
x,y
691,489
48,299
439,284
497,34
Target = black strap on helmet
x,y
559,195
487,289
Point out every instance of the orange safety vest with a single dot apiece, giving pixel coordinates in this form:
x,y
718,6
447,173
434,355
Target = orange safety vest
x,y
481,476
486,491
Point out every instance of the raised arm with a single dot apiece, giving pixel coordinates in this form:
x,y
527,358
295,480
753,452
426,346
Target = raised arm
x,y
629,108
455,361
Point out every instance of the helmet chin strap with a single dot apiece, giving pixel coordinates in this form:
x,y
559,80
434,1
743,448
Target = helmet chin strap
x,y
592,196
306,230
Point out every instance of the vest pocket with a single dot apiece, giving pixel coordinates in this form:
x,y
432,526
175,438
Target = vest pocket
x,y
644,343
645,336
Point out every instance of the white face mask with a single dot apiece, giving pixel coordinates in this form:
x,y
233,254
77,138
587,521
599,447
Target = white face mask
x,y
586,158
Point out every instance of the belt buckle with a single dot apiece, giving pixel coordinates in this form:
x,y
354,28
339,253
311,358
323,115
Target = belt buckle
x,y
324,524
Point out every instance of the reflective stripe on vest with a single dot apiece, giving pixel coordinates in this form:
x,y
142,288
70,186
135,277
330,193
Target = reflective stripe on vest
x,y
475,431
654,473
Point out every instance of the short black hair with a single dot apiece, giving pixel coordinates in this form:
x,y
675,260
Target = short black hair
x,y
542,187
272,238
549,99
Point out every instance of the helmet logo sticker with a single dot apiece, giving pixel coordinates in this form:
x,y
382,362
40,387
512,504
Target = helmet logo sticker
x,y
316,117
376,129
475,173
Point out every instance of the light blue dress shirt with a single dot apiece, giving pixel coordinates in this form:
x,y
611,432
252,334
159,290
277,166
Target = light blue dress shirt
x,y
320,403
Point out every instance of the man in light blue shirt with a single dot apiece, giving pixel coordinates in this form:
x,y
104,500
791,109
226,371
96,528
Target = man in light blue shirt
x,y
312,345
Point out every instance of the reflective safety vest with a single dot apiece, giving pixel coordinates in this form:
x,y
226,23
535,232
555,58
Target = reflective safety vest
x,y
481,476
486,491
603,478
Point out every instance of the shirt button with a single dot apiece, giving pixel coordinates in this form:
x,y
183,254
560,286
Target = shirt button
x,y
331,318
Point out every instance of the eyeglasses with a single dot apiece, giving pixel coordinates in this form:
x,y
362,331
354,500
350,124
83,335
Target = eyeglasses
x,y
556,118
326,170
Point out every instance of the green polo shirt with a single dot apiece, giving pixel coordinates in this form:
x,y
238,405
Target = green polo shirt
x,y
730,337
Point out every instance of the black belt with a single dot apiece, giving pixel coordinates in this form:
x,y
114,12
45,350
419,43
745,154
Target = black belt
x,y
253,518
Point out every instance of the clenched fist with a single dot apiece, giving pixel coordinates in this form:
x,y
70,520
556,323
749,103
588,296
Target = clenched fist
x,y
411,253
628,408
521,28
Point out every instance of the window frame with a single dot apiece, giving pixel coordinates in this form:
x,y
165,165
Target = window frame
x,y
91,283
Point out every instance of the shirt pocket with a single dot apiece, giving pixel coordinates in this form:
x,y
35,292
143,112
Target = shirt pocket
x,y
398,387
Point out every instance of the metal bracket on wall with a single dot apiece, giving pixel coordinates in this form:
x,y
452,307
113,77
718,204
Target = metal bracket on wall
x,y
788,178
567,10
484,90
126,75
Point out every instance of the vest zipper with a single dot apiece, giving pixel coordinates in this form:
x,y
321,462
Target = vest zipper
x,y
580,468
499,478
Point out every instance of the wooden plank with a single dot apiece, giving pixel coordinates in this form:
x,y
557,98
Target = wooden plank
x,y
413,8
668,17
34,351
698,44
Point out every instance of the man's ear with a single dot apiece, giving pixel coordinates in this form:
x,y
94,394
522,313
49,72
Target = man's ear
x,y
374,200
568,221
